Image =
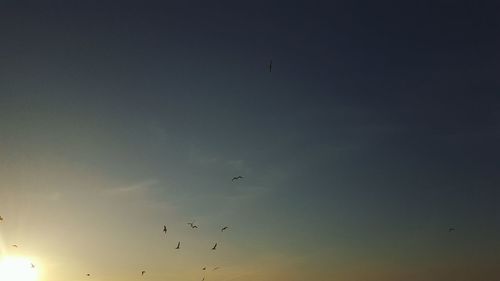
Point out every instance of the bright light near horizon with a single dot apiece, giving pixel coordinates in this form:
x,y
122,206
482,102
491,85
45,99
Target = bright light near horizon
x,y
17,269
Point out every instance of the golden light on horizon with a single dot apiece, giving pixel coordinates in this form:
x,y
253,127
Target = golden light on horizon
x,y
14,268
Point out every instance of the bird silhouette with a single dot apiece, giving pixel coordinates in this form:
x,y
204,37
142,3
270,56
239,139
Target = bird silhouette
x,y
192,225
1,218
203,279
236,178
451,229
178,245
88,274
204,268
165,229
224,228
215,268
143,272
32,265
15,246
215,246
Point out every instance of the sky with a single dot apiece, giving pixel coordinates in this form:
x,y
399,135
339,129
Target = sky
x,y
376,131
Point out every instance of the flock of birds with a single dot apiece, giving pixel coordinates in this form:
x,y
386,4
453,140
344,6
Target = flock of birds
x,y
165,230
191,224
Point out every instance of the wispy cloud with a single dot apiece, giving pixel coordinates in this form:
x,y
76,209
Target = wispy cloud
x,y
269,266
45,195
136,187
54,196
246,193
238,165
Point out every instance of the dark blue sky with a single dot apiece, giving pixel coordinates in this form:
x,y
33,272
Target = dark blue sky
x,y
379,121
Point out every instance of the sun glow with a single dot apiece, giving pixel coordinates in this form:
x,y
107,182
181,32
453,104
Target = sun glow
x,y
17,269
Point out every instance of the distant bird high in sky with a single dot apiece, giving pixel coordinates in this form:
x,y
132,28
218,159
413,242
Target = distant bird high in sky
x,y
224,228
451,229
165,230
215,268
178,245
143,272
214,247
192,225
88,274
32,265
1,218
15,246
237,178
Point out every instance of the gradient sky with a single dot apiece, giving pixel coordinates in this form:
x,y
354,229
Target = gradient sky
x,y
376,131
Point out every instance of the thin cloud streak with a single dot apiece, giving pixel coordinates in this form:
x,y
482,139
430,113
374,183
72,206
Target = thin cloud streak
x,y
137,187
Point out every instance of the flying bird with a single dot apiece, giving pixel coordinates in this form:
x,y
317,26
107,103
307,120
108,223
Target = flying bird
x,y
165,229
88,274
15,246
142,272
178,245
32,265
451,229
236,178
1,218
215,246
215,268
204,268
203,279
192,225
224,228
